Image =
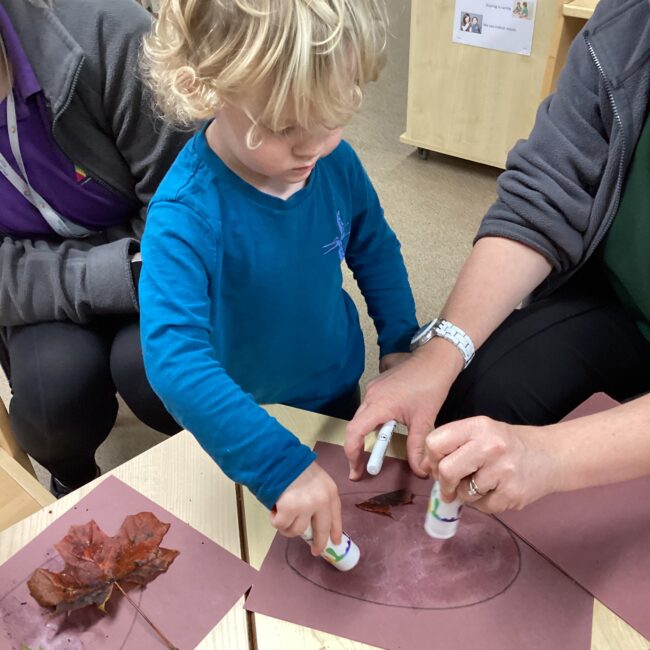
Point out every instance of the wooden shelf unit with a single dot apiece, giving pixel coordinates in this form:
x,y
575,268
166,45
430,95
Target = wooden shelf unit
x,y
583,9
475,103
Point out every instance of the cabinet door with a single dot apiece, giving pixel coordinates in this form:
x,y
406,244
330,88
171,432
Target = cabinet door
x,y
472,102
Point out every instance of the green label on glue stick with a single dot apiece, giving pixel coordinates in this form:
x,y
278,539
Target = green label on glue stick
x,y
343,556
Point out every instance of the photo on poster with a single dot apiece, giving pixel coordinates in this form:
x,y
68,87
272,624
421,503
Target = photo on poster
x,y
472,23
524,10
505,25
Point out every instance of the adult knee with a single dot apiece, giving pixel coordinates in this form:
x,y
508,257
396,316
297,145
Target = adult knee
x,y
127,369
62,389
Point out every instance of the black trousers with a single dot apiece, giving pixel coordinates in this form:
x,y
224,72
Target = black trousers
x,y
64,379
548,357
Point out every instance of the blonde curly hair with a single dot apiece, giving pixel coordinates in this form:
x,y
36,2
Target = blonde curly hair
x,y
312,57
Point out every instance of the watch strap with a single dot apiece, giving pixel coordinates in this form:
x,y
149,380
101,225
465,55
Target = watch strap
x,y
450,332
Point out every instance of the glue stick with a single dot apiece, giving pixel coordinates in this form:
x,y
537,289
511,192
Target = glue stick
x,y
343,556
442,518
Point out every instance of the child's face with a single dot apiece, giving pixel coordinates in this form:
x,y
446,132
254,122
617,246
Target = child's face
x,y
285,157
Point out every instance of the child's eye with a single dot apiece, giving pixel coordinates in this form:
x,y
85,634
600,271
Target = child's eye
x,y
287,130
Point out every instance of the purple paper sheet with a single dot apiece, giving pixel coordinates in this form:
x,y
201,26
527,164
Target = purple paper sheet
x,y
599,536
185,603
483,589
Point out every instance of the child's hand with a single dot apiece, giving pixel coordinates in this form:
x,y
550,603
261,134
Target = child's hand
x,y
392,360
312,498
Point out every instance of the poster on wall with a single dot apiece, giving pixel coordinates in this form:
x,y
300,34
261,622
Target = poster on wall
x,y
505,25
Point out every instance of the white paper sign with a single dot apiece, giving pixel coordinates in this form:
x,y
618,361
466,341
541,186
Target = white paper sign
x,y
505,25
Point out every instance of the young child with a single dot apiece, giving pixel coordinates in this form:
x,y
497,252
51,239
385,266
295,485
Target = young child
x,y
241,289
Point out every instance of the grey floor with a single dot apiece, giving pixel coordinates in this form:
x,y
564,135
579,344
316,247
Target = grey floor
x,y
434,206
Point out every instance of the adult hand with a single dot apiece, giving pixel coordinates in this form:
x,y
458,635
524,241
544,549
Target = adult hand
x,y
510,465
389,361
411,393
136,270
313,499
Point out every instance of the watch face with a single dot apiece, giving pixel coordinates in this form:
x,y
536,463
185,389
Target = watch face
x,y
423,334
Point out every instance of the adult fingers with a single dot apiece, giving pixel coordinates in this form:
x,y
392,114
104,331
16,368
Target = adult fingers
x,y
366,419
492,503
458,465
425,465
485,481
443,441
417,434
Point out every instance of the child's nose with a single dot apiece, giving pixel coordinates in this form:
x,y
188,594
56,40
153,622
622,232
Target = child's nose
x,y
308,146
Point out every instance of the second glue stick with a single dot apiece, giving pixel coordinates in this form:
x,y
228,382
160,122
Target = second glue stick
x,y
442,518
343,556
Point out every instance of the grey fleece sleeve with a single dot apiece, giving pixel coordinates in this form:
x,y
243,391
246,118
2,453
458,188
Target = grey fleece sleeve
x,y
546,195
72,280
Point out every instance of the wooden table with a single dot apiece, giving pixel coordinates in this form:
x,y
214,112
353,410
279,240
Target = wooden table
x,y
179,476
20,493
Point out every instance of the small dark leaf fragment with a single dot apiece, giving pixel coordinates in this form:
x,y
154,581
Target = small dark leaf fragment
x,y
382,503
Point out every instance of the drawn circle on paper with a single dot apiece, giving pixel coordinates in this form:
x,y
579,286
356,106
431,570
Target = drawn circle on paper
x,y
401,566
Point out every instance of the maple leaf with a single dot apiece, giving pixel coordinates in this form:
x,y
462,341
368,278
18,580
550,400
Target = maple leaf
x,y
95,562
382,503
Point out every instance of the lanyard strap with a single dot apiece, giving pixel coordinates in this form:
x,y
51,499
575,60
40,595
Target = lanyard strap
x,y
58,223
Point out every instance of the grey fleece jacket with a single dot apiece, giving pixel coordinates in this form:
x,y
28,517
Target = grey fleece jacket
x,y
562,186
85,56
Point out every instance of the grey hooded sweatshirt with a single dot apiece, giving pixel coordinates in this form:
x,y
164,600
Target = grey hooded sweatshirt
x,y
562,186
85,56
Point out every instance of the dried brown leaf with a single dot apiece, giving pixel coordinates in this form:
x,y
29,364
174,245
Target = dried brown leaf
x,y
94,562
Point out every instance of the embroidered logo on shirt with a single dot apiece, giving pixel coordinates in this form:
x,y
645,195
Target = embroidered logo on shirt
x,y
80,175
338,243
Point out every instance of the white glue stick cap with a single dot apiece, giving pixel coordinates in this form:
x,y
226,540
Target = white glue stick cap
x,y
343,556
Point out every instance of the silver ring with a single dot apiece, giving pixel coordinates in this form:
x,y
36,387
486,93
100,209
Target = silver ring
x,y
473,490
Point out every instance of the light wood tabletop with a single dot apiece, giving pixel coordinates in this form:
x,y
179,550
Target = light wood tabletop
x,y
179,476
20,493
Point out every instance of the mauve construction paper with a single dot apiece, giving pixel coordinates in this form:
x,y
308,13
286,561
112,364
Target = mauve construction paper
x,y
185,603
483,589
599,536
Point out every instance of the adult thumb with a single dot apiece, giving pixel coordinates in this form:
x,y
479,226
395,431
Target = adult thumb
x,y
418,431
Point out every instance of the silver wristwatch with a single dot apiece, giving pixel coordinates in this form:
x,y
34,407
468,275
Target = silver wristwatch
x,y
448,331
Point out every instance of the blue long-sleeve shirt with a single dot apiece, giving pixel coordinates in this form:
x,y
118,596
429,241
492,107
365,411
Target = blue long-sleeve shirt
x,y
242,304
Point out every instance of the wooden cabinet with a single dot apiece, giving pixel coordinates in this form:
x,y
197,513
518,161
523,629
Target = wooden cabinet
x,y
475,103
571,21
